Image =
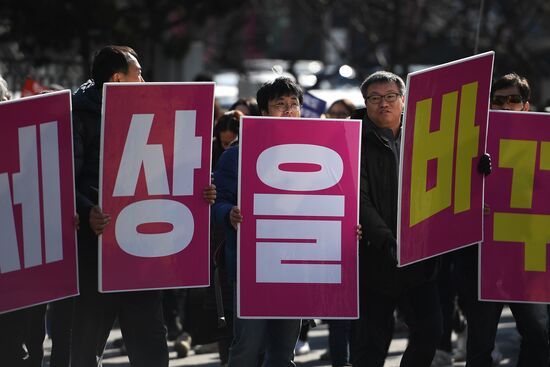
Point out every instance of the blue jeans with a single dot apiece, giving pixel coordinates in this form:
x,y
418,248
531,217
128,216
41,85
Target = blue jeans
x,y
277,337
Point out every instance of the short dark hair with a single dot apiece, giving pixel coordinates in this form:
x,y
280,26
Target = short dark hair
x,y
382,77
513,80
249,103
109,60
229,121
348,105
281,86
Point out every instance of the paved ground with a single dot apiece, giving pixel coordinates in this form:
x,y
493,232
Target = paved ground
x,y
507,339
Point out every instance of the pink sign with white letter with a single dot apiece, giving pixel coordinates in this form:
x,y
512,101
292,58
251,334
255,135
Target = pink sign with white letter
x,y
37,203
514,255
298,193
440,190
156,141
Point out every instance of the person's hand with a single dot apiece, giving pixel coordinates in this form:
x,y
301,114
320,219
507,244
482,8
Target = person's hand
x,y
209,194
76,221
235,216
484,164
98,220
359,232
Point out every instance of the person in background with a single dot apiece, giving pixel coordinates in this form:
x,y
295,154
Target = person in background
x,y
226,133
205,76
340,109
339,331
248,106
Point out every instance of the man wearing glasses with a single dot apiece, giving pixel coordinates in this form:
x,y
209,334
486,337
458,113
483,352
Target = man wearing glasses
x,y
511,92
279,98
383,286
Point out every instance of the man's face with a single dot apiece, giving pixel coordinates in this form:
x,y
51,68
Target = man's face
x,y
386,106
133,75
508,99
283,106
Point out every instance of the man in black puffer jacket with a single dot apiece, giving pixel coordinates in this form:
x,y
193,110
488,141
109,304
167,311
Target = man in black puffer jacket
x,y
139,313
383,286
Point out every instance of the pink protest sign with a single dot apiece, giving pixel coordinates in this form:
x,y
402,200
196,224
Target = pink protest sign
x,y
156,141
38,243
298,193
440,191
514,256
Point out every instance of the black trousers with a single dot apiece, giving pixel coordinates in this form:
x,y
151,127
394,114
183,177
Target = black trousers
x,y
23,329
140,319
483,318
61,323
373,331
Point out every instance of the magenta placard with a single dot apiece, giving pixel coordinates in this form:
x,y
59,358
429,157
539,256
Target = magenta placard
x,y
156,143
444,135
298,194
514,256
37,203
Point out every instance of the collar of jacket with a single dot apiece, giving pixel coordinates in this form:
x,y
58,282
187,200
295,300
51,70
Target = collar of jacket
x,y
385,135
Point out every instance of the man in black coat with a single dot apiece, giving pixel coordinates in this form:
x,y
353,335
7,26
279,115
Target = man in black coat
x,y
139,313
383,286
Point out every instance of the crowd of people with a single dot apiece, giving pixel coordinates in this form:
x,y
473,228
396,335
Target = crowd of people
x,y
429,296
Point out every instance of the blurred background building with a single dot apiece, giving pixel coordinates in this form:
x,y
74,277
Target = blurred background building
x,y
329,46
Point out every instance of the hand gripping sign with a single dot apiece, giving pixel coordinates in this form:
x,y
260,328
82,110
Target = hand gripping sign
x,y
298,194
440,190
38,242
514,256
156,141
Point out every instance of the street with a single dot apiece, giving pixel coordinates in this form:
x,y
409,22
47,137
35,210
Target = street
x,y
507,340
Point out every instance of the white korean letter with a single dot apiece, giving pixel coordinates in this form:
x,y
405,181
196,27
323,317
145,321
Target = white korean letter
x,y
268,170
156,244
269,255
292,204
137,153
25,192
9,252
51,191
187,152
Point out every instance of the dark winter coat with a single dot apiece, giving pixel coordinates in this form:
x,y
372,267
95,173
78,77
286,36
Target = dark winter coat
x,y
378,216
86,139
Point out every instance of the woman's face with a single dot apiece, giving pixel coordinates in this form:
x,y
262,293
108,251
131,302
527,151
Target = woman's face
x,y
226,138
338,111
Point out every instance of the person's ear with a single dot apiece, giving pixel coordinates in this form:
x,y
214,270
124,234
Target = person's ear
x,y
525,106
116,77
